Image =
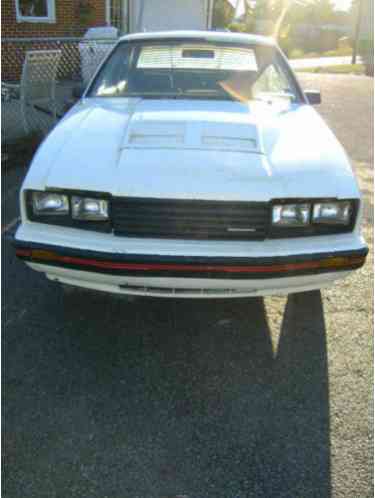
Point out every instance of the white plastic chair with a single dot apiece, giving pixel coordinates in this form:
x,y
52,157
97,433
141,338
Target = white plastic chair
x,y
36,93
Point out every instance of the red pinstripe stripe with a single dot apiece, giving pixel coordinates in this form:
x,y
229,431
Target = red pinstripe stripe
x,y
112,265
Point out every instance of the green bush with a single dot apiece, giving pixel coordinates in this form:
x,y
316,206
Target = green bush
x,y
339,52
312,55
85,11
345,42
366,51
296,53
237,27
222,14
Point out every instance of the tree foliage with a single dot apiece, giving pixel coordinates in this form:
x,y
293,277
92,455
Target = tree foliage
x,y
297,24
222,14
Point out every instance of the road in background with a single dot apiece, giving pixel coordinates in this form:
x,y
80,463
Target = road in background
x,y
321,62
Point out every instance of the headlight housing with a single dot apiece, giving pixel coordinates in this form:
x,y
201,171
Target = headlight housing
x,y
88,208
307,217
49,204
295,215
332,213
89,212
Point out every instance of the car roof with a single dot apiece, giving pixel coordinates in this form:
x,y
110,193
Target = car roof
x,y
214,36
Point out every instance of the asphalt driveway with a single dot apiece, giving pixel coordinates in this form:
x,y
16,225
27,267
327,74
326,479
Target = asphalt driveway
x,y
157,398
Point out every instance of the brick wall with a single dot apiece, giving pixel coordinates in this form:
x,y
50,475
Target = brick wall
x,y
68,20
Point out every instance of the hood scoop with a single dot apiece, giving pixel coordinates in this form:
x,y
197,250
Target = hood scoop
x,y
195,134
154,134
230,136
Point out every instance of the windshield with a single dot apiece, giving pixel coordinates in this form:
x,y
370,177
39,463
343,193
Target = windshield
x,y
194,70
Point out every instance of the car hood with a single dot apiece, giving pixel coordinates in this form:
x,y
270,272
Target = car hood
x,y
194,149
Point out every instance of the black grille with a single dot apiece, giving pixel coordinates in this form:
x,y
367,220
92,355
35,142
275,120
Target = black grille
x,y
190,219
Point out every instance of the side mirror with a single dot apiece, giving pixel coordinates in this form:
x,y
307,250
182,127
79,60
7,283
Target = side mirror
x,y
77,91
313,97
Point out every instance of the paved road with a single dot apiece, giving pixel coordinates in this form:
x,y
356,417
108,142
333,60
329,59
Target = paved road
x,y
235,399
321,61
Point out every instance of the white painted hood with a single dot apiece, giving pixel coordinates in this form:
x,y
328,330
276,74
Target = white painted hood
x,y
193,149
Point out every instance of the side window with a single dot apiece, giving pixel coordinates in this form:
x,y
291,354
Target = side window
x,y
270,81
113,78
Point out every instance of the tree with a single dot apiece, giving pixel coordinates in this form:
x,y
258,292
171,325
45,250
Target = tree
x,y
222,14
323,11
364,33
267,9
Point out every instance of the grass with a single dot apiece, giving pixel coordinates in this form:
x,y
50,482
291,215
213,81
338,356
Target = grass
x,y
340,52
340,69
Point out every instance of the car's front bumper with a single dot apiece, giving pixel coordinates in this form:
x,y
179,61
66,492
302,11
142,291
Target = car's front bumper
x,y
190,270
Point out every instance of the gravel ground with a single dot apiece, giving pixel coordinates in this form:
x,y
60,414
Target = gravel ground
x,y
158,398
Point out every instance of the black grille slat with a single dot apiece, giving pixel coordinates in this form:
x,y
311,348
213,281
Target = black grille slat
x,y
190,235
189,219
130,213
147,224
192,208
227,221
177,228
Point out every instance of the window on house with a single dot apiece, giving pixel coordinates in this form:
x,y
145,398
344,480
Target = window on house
x,y
35,10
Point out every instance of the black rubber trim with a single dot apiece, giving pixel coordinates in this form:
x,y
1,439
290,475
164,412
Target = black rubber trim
x,y
268,232
189,260
67,220
313,229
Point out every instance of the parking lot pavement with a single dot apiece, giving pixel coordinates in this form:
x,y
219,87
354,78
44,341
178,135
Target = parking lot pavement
x,y
158,398
347,106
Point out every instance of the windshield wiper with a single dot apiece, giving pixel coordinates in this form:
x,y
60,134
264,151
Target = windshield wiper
x,y
178,95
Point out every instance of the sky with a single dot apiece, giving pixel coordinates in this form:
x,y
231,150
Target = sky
x,y
239,5
342,4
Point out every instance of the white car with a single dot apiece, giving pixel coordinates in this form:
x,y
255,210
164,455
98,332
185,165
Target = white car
x,y
192,166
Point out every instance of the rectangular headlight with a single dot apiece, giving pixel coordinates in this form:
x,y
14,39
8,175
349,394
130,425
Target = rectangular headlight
x,y
48,203
291,215
90,209
332,213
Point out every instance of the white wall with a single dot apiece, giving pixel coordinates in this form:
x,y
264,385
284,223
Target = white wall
x,y
164,15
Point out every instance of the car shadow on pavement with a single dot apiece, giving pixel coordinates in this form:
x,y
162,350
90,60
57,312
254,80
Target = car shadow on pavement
x,y
163,397
301,397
